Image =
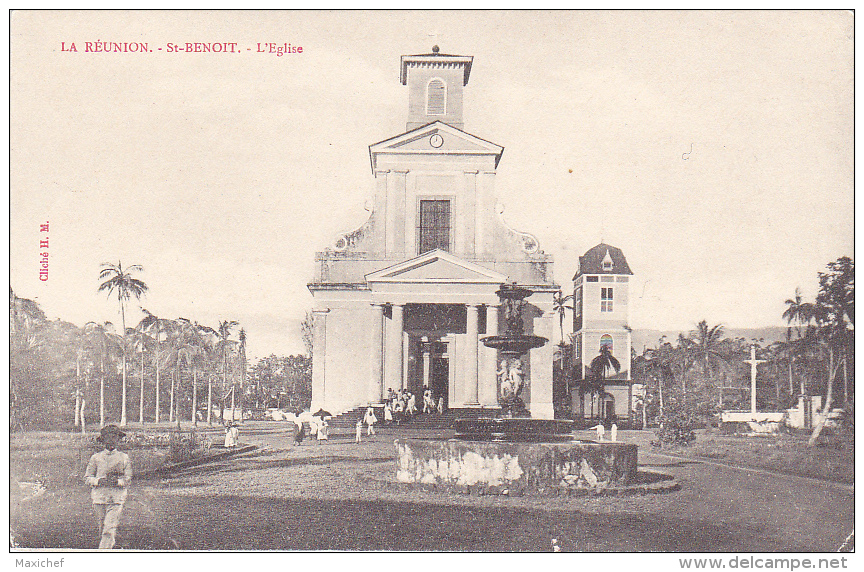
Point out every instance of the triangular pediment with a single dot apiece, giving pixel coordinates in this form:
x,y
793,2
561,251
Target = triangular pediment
x,y
437,266
436,139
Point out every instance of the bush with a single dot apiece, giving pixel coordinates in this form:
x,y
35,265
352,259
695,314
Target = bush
x,y
676,428
187,446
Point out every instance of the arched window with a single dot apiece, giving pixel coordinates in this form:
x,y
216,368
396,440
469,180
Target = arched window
x,y
436,97
606,341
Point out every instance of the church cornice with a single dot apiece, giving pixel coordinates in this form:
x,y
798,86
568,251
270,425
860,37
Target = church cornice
x,y
436,61
395,145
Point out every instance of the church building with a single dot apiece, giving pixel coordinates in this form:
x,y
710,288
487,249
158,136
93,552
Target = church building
x,y
405,300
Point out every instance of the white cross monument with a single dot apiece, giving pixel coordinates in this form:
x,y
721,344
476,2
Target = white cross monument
x,y
753,363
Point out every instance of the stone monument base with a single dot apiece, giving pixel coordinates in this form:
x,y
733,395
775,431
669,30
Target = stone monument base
x,y
515,468
758,424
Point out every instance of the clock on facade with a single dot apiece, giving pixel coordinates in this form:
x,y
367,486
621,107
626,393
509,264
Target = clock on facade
x,y
436,140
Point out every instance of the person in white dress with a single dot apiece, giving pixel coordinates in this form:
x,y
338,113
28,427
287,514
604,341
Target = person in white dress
x,y
230,435
370,419
323,430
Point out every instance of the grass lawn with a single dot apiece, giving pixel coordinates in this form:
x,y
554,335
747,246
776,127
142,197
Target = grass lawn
x,y
787,453
339,495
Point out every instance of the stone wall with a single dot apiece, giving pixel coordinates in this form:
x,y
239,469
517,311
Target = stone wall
x,y
515,468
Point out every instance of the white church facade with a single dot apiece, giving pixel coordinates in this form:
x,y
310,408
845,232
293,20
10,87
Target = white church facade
x,y
405,300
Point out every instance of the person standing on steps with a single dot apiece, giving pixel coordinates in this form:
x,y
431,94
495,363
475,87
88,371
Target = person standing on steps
x,y
108,473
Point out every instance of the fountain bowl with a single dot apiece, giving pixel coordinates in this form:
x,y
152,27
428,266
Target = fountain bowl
x,y
514,429
514,345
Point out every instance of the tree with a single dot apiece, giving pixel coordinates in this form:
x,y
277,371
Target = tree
x,y
194,352
834,313
559,308
26,323
224,333
156,325
102,339
307,329
242,366
141,341
707,351
121,281
600,368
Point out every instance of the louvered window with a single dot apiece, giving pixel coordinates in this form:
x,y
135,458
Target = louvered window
x,y
436,97
434,225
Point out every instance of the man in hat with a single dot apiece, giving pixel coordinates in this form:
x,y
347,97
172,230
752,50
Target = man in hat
x,y
108,474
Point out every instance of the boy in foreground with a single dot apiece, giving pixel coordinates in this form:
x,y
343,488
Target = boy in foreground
x,y
108,473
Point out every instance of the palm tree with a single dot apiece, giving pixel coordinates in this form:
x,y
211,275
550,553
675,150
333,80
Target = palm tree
x,y
707,350
115,278
141,341
600,367
224,333
103,340
797,311
559,308
193,351
242,366
156,325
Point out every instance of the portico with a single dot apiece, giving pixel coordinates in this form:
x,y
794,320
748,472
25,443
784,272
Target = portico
x,y
432,311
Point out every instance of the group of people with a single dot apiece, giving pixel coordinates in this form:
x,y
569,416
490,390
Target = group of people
x,y
319,428
402,405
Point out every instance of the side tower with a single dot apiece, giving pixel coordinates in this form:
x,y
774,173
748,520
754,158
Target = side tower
x,y
601,319
404,300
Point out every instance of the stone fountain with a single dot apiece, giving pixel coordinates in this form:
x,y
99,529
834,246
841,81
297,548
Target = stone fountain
x,y
512,453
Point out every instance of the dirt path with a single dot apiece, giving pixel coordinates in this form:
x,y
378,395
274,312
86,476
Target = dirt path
x,y
281,497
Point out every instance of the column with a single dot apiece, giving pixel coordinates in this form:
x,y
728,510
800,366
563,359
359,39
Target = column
x,y
486,216
471,356
393,362
541,369
469,205
376,347
427,361
380,209
395,221
319,356
489,376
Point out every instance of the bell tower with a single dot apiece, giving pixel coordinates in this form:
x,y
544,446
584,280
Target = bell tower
x,y
435,82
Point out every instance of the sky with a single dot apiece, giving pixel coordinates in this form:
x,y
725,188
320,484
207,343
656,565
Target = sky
x,y
714,148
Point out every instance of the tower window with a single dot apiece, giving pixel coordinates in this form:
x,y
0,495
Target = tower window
x,y
577,306
436,97
434,225
607,262
605,299
606,341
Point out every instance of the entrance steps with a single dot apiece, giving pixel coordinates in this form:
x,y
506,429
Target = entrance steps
x,y
422,421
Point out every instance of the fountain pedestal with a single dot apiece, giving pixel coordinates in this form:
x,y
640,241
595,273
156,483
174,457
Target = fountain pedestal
x,y
514,454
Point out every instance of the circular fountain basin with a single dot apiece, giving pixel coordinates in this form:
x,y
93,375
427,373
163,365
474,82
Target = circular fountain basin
x,y
514,345
516,468
515,429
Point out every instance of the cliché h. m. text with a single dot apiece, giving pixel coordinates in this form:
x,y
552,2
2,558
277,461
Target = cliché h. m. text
x,y
104,47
